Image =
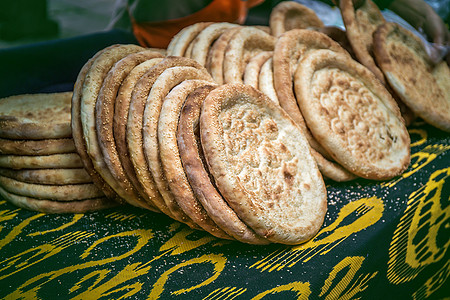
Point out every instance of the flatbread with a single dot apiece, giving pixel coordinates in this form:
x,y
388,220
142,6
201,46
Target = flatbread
x,y
59,207
265,81
289,49
161,87
171,161
77,131
403,58
216,55
180,42
90,91
121,109
37,147
53,161
253,67
195,167
203,41
36,116
262,165
360,24
289,15
104,112
352,114
48,176
66,192
243,45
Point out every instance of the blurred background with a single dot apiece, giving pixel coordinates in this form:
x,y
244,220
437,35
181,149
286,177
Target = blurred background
x,y
30,21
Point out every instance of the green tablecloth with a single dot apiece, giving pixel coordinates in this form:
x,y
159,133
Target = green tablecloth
x,y
380,240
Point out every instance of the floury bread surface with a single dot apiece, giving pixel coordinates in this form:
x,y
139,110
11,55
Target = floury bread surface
x,y
262,164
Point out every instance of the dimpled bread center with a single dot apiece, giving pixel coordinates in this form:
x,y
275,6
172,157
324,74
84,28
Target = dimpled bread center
x,y
257,149
354,114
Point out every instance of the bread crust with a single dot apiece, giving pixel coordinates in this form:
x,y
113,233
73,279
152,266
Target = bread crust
x,y
261,164
404,60
352,114
57,176
37,147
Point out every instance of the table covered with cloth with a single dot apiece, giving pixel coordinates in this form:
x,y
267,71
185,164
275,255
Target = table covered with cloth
x,y
380,240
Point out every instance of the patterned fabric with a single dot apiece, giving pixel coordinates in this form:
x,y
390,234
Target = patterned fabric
x,y
380,240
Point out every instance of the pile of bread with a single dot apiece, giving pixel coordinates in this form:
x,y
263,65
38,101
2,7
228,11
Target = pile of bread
x,y
231,129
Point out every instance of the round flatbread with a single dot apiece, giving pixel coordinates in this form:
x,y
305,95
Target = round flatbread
x,y
262,164
77,131
203,41
180,42
171,161
214,62
253,67
352,114
91,87
161,87
134,134
66,192
121,109
36,116
37,147
48,176
289,15
104,112
53,161
403,58
194,166
59,207
360,24
243,45
265,81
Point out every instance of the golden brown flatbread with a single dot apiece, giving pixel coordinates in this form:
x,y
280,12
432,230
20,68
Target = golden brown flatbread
x,y
289,15
37,147
403,58
196,170
36,116
48,176
352,114
262,164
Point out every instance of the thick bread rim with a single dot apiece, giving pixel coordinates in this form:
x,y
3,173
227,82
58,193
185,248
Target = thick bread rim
x,y
247,39
180,41
36,127
91,87
52,161
48,176
134,134
435,112
353,30
229,185
291,9
77,131
198,176
265,80
104,113
216,54
167,80
59,207
203,41
253,68
171,161
37,147
329,60
65,192
121,109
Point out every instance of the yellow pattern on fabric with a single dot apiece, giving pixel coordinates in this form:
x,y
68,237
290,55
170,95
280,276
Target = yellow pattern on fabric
x,y
218,262
357,215
302,290
343,290
228,293
415,242
433,283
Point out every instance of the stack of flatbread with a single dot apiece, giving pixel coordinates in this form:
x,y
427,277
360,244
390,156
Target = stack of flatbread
x,y
232,128
39,166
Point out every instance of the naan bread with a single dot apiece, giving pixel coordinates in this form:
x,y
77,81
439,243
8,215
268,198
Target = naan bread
x,y
262,164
